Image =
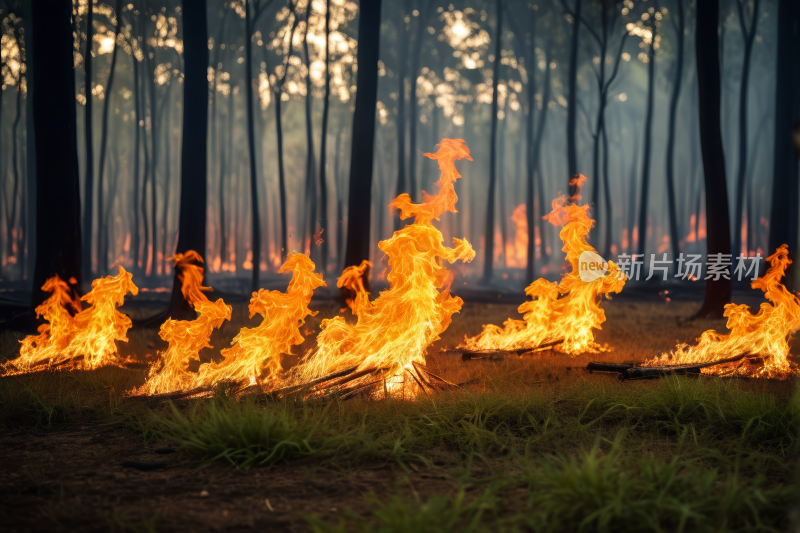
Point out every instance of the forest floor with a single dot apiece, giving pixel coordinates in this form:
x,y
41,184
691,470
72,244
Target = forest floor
x,y
534,444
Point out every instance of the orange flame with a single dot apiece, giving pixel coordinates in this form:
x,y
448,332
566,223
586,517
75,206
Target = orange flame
x,y
54,336
91,334
566,311
764,334
394,331
256,352
352,278
186,337
318,237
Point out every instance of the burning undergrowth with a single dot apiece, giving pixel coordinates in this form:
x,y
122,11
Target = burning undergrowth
x,y
562,313
762,338
392,333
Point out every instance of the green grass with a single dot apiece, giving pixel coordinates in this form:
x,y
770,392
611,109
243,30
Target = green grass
x,y
582,454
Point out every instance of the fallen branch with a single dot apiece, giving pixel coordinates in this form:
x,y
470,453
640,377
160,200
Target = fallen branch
x,y
626,371
468,355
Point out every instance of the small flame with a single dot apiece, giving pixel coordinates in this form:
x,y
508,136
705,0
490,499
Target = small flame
x,y
394,331
56,335
256,352
763,336
566,311
91,334
186,337
517,251
318,237
352,279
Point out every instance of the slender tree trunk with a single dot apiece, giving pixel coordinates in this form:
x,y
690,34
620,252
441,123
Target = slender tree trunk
x,y
281,178
648,134
88,185
102,251
501,182
194,162
718,293
154,119
323,146
339,200
145,179
136,252
14,237
167,175
537,160
255,230
748,35
310,219
529,163
413,102
572,100
674,235
58,246
599,125
402,184
363,134
488,252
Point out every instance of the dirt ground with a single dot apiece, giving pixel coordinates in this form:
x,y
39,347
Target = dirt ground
x,y
73,478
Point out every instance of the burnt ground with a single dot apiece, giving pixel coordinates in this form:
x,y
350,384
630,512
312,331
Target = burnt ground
x,y
71,477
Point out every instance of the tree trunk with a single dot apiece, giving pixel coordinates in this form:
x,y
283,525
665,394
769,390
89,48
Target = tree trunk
x,y
58,213
15,236
30,146
154,119
135,252
784,211
488,252
572,100
167,176
537,161
102,251
194,163
648,134
323,146
413,102
748,35
255,229
402,185
309,221
88,185
363,136
718,293
674,235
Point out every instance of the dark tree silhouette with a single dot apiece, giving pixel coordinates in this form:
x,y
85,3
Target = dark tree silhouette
x,y
648,140
363,137
402,69
572,97
718,293
488,251
255,227
88,184
323,144
102,249
749,36
784,215
58,211
679,27
425,12
192,218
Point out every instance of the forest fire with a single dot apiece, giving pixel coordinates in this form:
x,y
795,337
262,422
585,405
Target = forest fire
x,y
186,337
90,336
759,341
563,313
393,332
255,355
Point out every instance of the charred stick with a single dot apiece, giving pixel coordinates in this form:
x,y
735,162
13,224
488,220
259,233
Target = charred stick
x,y
351,377
323,379
424,368
599,366
361,389
652,372
482,354
419,382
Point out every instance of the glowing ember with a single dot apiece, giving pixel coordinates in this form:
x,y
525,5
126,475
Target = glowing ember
x,y
764,336
256,352
186,337
91,334
566,311
54,336
393,332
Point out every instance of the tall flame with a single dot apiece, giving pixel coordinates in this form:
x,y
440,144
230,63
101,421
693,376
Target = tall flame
x,y
91,334
764,334
393,331
352,279
56,334
566,311
517,251
186,337
256,352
